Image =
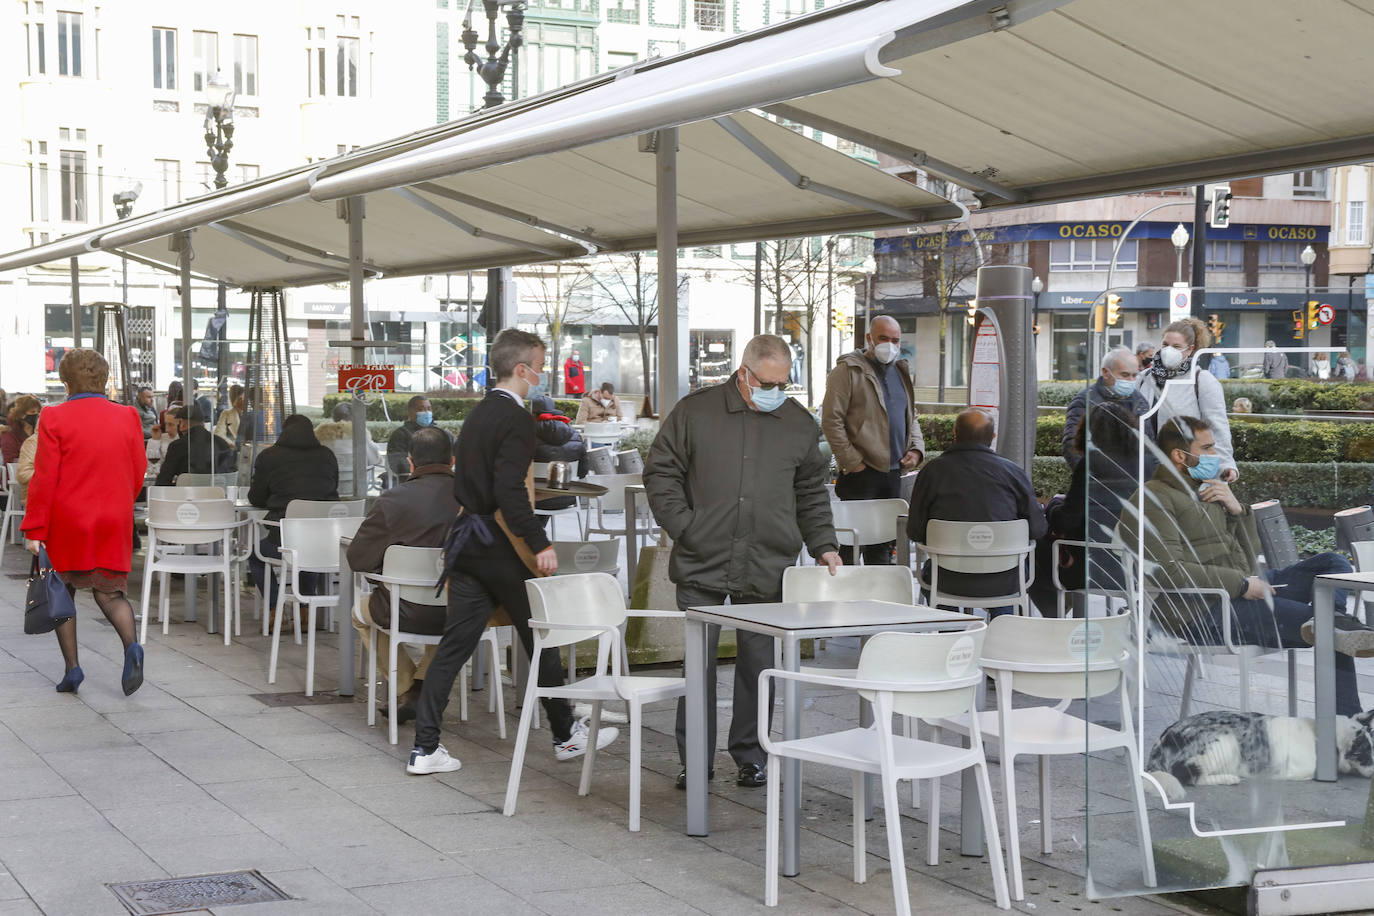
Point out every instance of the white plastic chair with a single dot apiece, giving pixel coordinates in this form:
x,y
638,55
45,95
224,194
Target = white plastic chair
x,y
629,461
1064,660
601,434
309,545
922,675
1092,550
326,508
600,460
860,522
983,548
613,501
14,506
587,556
566,610
186,523
180,492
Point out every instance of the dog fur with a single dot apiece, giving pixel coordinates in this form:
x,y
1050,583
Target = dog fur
x,y
1220,748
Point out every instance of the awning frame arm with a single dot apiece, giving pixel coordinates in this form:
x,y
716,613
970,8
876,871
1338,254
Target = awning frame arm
x,y
476,232
584,236
266,249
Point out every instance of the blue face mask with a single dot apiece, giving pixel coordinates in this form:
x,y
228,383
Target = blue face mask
x,y
1208,467
767,399
425,417
1123,387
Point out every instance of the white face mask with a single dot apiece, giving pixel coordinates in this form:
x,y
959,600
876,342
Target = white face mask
x,y
886,352
1170,357
605,402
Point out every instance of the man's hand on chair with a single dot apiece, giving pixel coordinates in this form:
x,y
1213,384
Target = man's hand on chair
x,y
546,561
831,559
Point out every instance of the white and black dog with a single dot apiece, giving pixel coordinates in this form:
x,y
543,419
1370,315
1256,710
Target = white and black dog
x,y
1221,748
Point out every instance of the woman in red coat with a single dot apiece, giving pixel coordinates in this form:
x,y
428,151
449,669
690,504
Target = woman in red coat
x,y
88,469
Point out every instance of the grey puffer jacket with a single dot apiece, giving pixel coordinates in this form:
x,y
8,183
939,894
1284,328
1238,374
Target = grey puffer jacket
x,y
738,491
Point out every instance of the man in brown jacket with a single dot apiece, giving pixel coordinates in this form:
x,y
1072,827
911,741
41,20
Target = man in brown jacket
x,y
869,418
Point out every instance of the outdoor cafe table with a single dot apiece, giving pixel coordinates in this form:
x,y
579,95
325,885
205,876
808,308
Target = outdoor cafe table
x,y
1324,660
791,622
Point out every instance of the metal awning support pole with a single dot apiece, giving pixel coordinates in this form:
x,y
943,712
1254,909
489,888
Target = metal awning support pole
x,y
76,304
672,324
357,326
181,244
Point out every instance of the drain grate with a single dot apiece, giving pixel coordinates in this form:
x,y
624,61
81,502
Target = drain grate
x,y
198,892
300,699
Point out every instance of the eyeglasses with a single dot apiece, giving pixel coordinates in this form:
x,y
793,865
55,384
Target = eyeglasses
x,y
766,386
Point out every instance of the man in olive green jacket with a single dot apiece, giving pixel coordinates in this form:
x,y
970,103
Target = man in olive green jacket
x,y
736,478
869,418
1198,535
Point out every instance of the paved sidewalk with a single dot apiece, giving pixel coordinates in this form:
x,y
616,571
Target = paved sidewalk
x,y
194,774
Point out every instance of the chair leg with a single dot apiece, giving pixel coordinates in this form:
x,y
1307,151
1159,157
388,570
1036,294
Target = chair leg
x,y
463,690
276,644
772,829
1292,682
147,587
1189,673
522,737
1142,818
999,872
497,700
1244,682
310,650
911,728
391,665
1008,766
372,678
260,601
228,616
1046,816
860,834
589,758
892,815
295,615
164,601
636,752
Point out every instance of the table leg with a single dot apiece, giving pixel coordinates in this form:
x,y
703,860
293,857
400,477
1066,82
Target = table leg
x,y
791,766
347,635
213,581
1324,663
865,720
631,538
191,582
694,661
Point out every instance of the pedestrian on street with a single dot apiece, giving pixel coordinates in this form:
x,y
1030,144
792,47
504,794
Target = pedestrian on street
x,y
574,375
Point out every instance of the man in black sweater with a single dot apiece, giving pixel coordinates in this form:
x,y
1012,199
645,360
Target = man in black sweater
x,y
193,452
489,557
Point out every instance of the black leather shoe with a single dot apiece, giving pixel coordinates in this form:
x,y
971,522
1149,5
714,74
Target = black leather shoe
x,y
751,776
682,778
405,714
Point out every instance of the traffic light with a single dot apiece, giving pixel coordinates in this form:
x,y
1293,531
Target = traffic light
x,y
1312,307
1299,324
1113,308
1215,326
838,321
972,311
1220,216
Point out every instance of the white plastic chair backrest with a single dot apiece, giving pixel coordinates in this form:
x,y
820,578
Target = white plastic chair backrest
x,y
423,564
969,539
1088,653
593,598
872,521
195,480
540,469
921,659
600,460
629,461
171,520
326,508
1364,555
348,527
601,431
614,498
586,556
179,492
315,541
850,583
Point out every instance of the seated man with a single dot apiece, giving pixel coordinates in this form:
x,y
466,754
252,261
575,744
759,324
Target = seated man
x,y
969,482
416,513
420,416
196,451
1198,535
599,406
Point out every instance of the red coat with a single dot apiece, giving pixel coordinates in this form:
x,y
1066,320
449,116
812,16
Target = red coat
x,y
86,474
574,377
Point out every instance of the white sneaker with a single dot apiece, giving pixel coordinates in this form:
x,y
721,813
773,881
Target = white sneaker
x,y
576,745
422,764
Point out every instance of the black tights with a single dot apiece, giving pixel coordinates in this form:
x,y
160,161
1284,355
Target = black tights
x,y
117,610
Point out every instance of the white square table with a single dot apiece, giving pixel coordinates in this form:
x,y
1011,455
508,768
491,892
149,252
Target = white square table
x,y
1324,660
791,622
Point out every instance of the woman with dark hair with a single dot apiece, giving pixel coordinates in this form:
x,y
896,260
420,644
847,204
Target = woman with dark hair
x,y
14,435
88,469
1108,437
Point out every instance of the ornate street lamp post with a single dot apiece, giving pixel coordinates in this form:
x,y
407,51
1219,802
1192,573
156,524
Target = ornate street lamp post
x,y
219,126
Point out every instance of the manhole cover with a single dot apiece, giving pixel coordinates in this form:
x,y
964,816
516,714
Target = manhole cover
x,y
198,892
299,699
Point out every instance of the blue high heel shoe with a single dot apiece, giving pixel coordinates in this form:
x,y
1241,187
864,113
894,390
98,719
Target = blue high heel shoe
x,y
71,680
133,668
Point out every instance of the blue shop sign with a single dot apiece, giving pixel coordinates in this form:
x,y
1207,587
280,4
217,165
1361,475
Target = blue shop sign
x,y
1108,230
1157,300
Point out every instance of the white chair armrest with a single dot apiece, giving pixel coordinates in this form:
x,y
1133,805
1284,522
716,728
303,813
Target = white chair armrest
x,y
853,683
396,580
647,613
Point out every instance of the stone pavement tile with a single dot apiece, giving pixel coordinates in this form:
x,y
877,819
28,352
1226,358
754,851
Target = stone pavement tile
x,y
465,894
334,824
716,883
109,777
418,797
152,819
312,894
28,816
321,746
273,721
387,856
49,729
22,906
152,721
200,855
36,780
220,707
488,780
462,834
215,755
627,900
12,664
9,888
545,866
256,796
65,872
28,688
369,769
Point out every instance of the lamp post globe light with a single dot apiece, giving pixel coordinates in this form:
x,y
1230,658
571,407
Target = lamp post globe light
x,y
124,206
1037,287
1180,239
219,125
1308,258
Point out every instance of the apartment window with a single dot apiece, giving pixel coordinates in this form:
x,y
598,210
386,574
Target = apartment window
x,y
249,172
786,9
1226,256
37,47
617,59
1354,222
709,15
165,59
68,44
1280,256
622,11
73,180
316,78
1091,254
346,67
205,47
1309,183
167,173
246,64
39,192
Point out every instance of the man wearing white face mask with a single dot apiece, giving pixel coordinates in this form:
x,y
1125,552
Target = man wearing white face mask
x,y
599,405
1186,391
1115,382
869,418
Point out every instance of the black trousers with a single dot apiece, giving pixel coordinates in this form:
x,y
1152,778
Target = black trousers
x,y
870,484
755,653
482,578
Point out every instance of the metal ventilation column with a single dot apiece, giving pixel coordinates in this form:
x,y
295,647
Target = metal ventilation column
x,y
1004,290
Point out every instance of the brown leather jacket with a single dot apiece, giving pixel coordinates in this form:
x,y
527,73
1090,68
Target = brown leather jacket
x,y
854,417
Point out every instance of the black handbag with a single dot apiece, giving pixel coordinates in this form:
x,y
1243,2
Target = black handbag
x,y
48,602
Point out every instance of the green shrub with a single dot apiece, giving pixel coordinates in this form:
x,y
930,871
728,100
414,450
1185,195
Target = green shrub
x,y
1059,394
1321,486
1301,395
445,408
640,440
